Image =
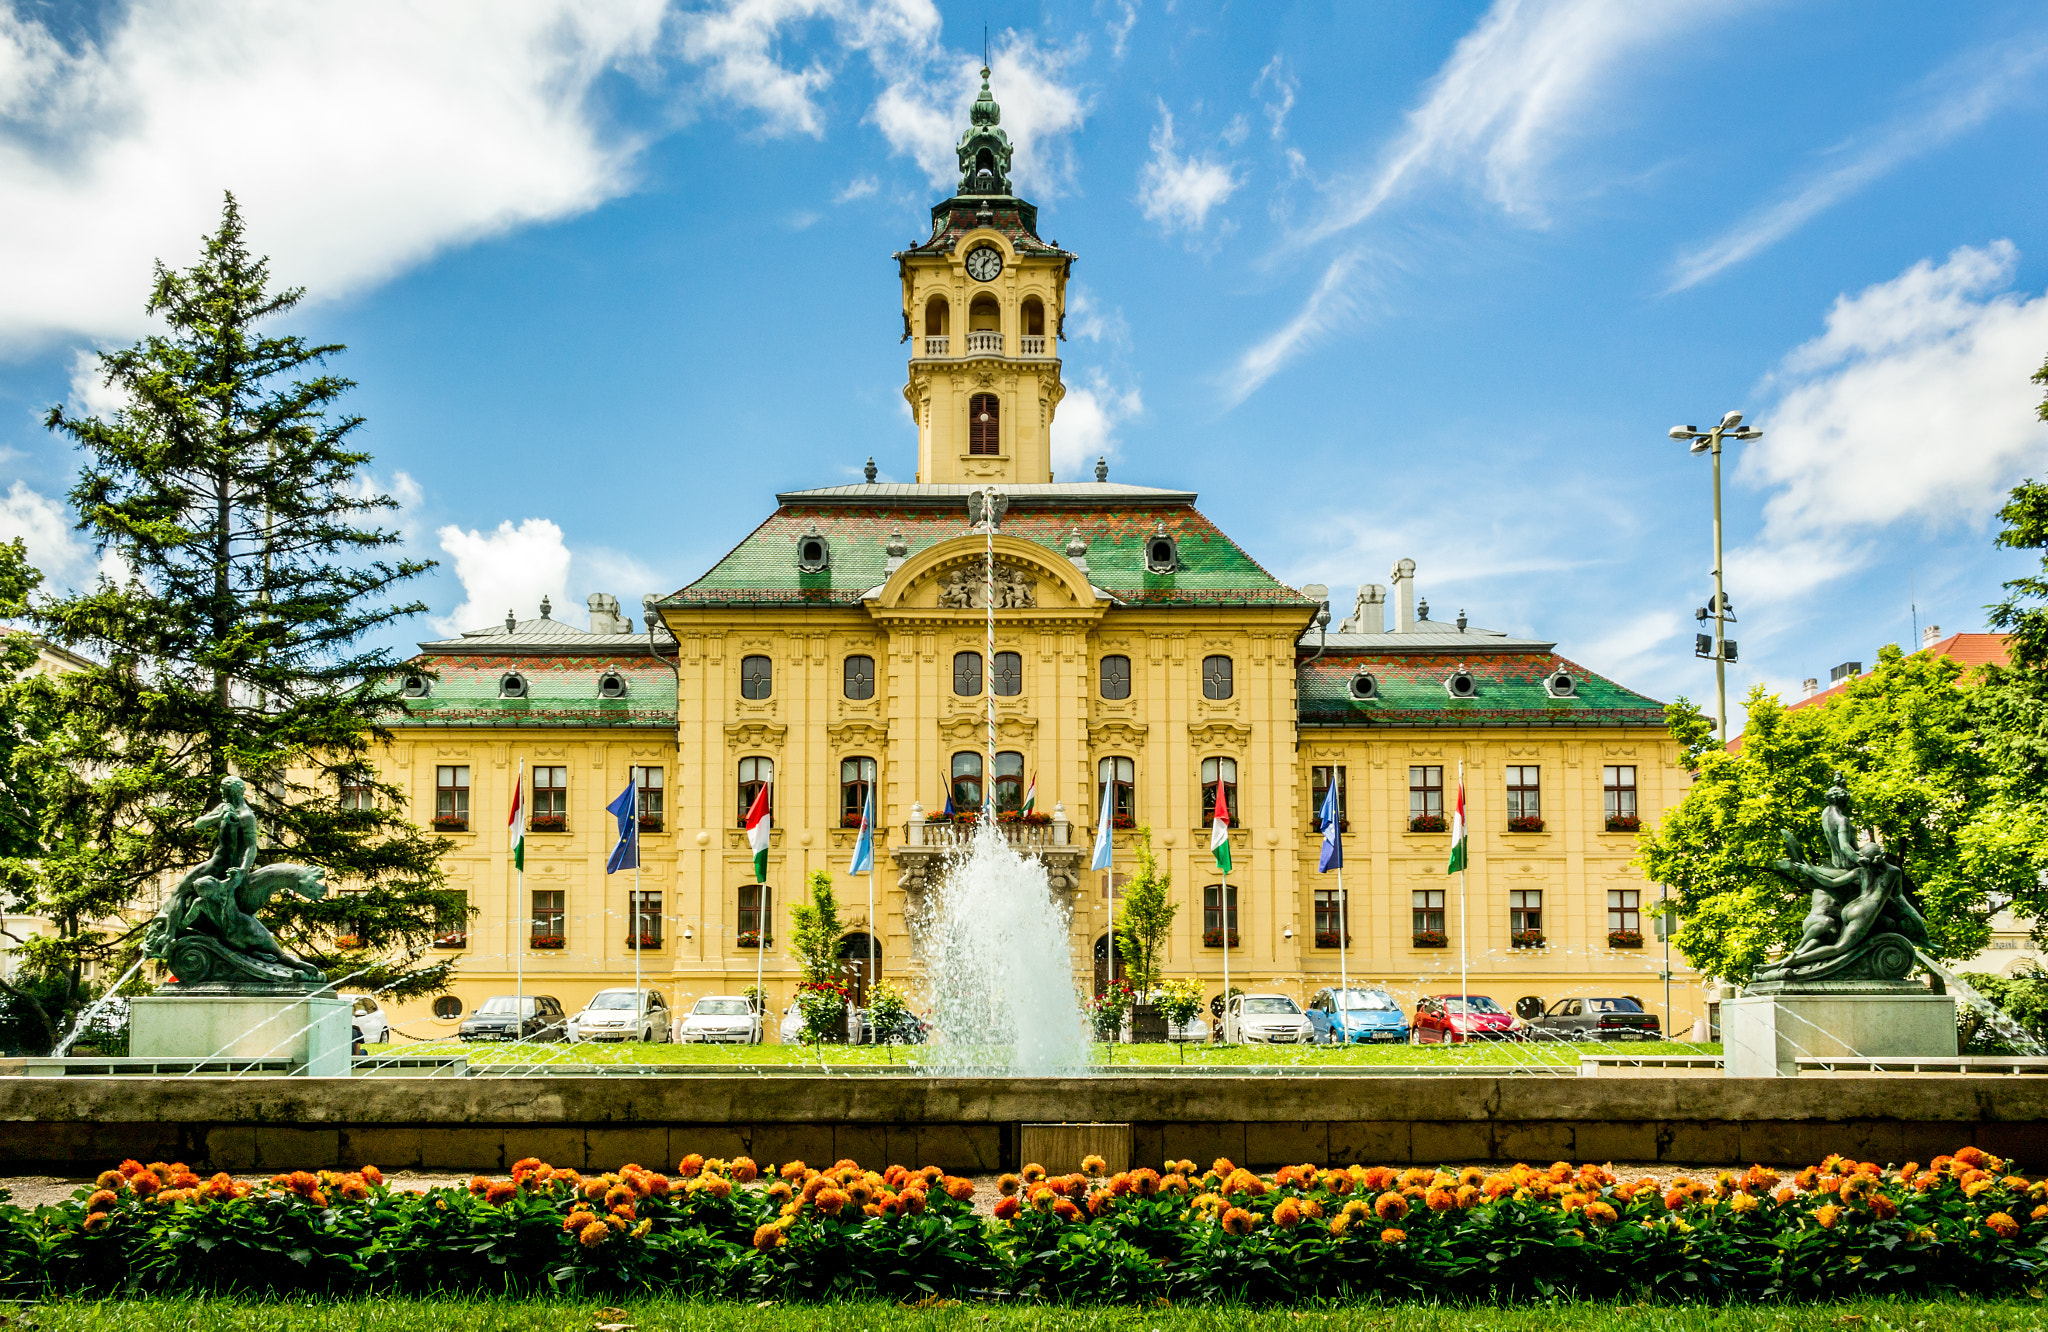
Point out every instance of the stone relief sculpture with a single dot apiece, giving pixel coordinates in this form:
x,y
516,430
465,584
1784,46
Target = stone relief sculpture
x,y
208,933
962,589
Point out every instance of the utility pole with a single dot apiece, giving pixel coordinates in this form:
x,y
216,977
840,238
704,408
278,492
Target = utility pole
x,y
1722,648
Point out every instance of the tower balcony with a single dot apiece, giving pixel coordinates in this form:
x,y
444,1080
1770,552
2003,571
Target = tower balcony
x,y
938,346
985,340
1031,344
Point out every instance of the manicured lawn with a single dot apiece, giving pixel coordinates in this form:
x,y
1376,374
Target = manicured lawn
x,y
1564,1057
474,1315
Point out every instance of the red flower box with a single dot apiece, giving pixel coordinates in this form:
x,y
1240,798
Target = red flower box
x,y
1428,823
548,823
545,941
1526,823
1526,938
1624,938
1431,939
457,939
643,940
752,939
1624,823
650,823
451,823
1328,938
1214,938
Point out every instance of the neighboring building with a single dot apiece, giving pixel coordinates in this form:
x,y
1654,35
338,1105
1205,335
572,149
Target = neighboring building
x,y
841,648
1972,650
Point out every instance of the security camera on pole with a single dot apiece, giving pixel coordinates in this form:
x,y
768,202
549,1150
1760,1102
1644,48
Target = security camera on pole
x,y
1722,648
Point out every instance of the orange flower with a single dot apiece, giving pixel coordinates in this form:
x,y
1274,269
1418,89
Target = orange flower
x,y
769,1236
1784,1195
625,1212
744,1171
2040,1213
1499,1186
1094,1166
1145,1183
1441,1199
780,1191
830,1201
1882,1207
1390,1207
793,1171
372,1176
110,1179
693,1165
616,1194
1238,1221
913,1200
1828,1215
478,1185
102,1200
1175,1183
504,1191
1287,1215
1007,1207
1468,1197
593,1234
576,1220
2002,1225
1221,1166
318,1199
959,1190
1065,1210
131,1168
1392,1236
1033,1173
355,1188
1977,1186
98,1221
1971,1158
1744,1203
1601,1213
144,1183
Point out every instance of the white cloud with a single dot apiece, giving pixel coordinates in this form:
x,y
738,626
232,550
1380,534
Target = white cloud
x,y
924,109
1914,406
736,42
1177,191
90,394
1085,426
1086,319
45,527
1284,86
859,188
1334,301
510,569
1966,93
1120,27
602,569
384,132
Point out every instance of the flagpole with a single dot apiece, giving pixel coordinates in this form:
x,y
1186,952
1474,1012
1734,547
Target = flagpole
x,y
518,894
1343,966
638,939
1226,913
1463,936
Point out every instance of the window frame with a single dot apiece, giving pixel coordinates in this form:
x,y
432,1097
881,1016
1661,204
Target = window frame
x,y
1102,676
557,911
358,791
1429,792
639,918
457,916
1121,776
1219,677
956,777
853,791
451,789
748,786
1525,790
980,676
757,677
650,797
1624,916
555,788
1525,910
1007,667
1331,904
1214,909
1427,904
1006,783
985,438
849,676
1211,773
754,902
1617,790
1319,786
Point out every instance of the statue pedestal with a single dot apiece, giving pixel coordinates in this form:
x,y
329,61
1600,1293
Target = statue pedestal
x,y
310,1030
1762,1034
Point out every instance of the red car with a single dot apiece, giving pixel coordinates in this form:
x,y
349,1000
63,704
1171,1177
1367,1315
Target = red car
x,y
1457,1018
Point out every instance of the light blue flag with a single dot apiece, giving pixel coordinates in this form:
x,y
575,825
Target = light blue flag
x,y
1333,839
864,845
1102,833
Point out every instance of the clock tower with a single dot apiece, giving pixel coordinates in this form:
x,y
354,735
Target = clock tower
x,y
983,300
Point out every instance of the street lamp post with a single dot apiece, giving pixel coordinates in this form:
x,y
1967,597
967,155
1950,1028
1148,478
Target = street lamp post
x,y
1709,442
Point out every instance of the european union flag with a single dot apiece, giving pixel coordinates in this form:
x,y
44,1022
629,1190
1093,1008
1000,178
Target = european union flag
x,y
626,855
1333,840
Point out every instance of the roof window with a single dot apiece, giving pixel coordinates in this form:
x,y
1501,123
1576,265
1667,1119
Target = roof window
x,y
1161,555
813,552
611,685
415,685
1561,685
1365,685
1461,684
511,685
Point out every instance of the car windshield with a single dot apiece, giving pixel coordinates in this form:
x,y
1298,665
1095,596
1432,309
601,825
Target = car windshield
x,y
722,1007
365,1006
613,999
1472,1003
1269,1003
1369,1001
503,1005
1613,1006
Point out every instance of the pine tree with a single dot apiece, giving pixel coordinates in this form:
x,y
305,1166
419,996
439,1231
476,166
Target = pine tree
x,y
228,493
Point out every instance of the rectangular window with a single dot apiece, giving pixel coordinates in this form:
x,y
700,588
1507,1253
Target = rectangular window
x,y
1319,788
1525,911
856,782
966,783
451,797
860,677
1116,677
451,926
755,775
550,798
757,677
1009,781
1620,799
1217,678
644,920
755,905
549,918
1119,775
1624,910
1426,792
1006,677
985,418
356,792
1429,911
1525,791
1212,915
1329,912
967,674
647,781
1220,773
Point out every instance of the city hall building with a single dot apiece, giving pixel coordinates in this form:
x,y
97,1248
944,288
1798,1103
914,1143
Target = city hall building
x,y
1140,655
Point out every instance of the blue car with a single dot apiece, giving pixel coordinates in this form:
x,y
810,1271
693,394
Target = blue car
x,y
1357,1017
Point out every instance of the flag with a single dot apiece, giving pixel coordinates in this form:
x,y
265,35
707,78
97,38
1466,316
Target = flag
x,y
1219,831
517,823
1031,794
864,845
626,809
1333,839
949,802
757,832
1457,864
1101,861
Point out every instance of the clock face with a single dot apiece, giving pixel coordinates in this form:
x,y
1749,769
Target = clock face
x,y
984,262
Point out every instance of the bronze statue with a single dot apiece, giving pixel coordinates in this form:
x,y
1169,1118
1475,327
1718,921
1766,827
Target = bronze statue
x,y
208,933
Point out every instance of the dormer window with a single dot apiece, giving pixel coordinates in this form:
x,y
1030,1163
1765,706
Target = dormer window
x,y
511,685
1161,555
813,553
1461,684
611,685
1561,685
1365,685
415,685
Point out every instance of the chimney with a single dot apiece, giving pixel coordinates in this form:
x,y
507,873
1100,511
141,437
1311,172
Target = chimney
x,y
1404,597
605,617
1809,687
1930,635
1368,613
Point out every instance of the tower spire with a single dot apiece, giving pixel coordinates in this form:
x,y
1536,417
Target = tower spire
x,y
985,149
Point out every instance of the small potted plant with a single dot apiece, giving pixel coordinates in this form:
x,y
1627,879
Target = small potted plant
x,y
643,940
1214,938
753,939
1431,939
1525,823
1428,823
1526,938
1328,939
650,823
451,823
549,823
551,941
1624,823
1122,822
1624,938
1107,1009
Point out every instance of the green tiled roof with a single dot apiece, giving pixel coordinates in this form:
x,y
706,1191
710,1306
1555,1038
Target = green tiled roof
x,y
560,691
1510,693
762,570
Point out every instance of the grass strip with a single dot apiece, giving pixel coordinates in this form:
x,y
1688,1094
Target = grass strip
x,y
1563,1057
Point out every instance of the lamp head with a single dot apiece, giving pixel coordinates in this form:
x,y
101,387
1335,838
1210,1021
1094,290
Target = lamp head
x,y
1731,420
1701,445
1749,432
1682,432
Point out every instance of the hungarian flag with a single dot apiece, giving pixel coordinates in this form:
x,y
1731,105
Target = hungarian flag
x,y
757,832
516,825
1219,831
1458,827
1031,794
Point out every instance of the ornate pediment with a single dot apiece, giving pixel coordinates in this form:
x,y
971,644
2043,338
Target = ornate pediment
x,y
1007,728
755,735
843,734
1117,734
968,588
1219,735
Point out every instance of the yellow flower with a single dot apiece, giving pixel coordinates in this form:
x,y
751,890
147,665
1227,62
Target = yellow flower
x,y
2002,1225
1392,1236
1743,1202
1827,1216
1093,1165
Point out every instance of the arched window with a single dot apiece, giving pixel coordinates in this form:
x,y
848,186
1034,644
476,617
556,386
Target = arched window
x,y
967,674
1220,772
757,677
756,773
856,783
1116,677
1120,775
447,1008
860,677
966,782
984,315
937,317
984,424
1009,782
1033,313
1216,678
1007,679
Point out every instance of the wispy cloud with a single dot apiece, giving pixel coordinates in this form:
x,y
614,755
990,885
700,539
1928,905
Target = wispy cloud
x,y
1334,301
1958,97
858,188
1176,190
924,105
1281,101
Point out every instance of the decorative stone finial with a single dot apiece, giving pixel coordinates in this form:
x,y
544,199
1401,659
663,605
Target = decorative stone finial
x,y
1422,609
545,608
896,546
511,623
1101,467
1077,546
869,470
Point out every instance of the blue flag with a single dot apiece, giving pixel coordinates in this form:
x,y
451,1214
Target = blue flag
x,y
1102,827
1333,838
626,855
949,803
864,845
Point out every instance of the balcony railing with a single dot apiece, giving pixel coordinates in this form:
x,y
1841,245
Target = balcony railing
x,y
1029,345
939,346
1022,836
985,341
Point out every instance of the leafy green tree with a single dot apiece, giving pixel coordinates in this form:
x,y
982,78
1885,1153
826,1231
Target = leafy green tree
x,y
815,930
1146,917
236,505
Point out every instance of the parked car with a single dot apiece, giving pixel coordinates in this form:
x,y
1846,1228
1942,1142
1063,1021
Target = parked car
x,y
1272,1019
509,1017
791,1029
722,1018
616,1015
1608,1018
373,1025
1357,1017
1456,1018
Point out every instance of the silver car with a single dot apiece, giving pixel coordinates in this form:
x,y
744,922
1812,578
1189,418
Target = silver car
x,y
613,1015
1270,1019
721,1019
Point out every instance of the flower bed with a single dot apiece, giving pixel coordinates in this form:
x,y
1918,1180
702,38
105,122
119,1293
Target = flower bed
x,y
1624,938
1428,823
1182,1233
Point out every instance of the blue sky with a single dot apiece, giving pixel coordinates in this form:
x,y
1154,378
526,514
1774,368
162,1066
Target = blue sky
x,y
1424,280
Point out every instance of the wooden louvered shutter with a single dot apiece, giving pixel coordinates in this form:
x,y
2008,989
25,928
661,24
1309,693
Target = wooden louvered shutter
x,y
984,424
